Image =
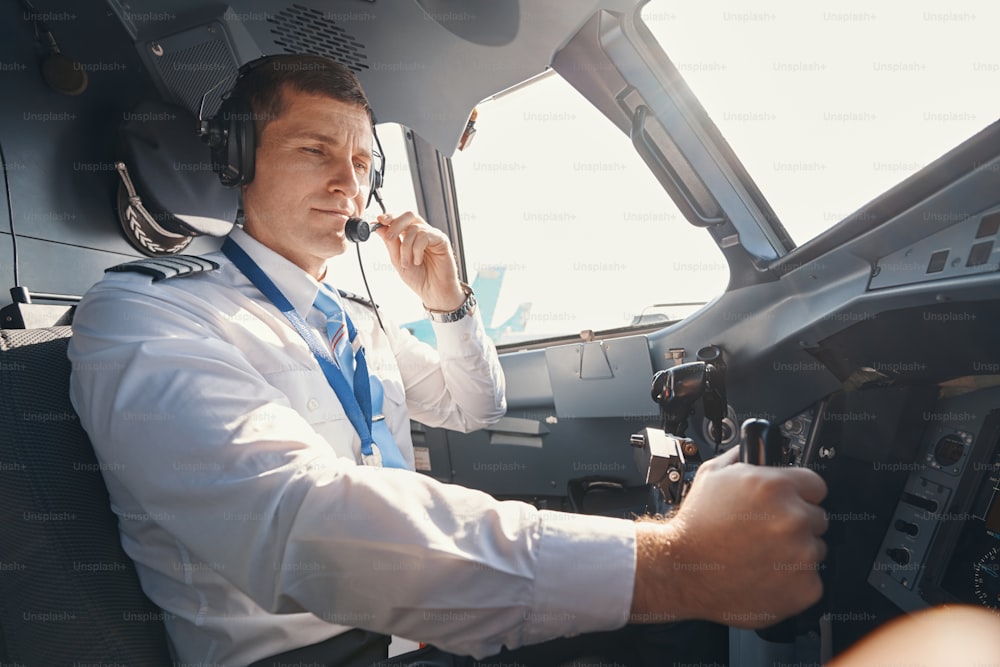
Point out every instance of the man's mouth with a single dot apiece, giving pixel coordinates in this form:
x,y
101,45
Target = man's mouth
x,y
337,217
333,212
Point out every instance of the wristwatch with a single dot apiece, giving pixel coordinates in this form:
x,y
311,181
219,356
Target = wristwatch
x,y
455,315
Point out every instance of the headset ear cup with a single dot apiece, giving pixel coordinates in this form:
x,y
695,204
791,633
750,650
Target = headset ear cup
x,y
374,185
377,171
233,143
246,141
215,136
222,140
233,166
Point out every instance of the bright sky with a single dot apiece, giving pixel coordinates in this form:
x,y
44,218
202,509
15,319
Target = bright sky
x,y
827,104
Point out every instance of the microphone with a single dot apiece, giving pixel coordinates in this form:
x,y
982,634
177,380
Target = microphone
x,y
358,230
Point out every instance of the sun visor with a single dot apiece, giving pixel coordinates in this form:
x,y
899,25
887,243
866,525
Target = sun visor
x,y
168,192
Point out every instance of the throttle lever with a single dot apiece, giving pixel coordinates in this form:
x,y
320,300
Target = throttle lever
x,y
763,444
714,402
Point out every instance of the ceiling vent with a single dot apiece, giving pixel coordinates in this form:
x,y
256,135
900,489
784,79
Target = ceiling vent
x,y
299,29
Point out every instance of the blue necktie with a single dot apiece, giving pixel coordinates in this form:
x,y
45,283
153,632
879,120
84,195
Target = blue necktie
x,y
342,338
337,336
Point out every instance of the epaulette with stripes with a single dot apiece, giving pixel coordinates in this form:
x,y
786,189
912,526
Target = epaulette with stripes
x,y
360,299
162,268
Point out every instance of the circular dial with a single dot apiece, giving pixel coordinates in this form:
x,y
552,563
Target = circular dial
x,y
949,449
986,578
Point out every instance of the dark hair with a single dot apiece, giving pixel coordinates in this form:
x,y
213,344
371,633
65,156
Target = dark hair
x,y
264,80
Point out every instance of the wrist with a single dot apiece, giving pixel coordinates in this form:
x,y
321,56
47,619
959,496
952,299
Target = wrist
x,y
466,306
657,596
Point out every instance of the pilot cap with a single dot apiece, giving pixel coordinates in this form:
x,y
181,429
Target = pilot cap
x,y
168,192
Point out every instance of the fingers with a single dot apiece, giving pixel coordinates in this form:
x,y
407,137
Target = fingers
x,y
809,485
409,238
806,483
820,550
797,492
391,240
400,228
420,245
816,518
422,256
728,457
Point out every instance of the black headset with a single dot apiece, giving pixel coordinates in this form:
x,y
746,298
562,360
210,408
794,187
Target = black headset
x,y
233,145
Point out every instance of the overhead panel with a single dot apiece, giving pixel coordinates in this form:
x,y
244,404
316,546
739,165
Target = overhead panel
x,y
424,63
193,65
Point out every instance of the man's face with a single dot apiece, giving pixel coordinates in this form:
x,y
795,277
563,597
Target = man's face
x,y
312,174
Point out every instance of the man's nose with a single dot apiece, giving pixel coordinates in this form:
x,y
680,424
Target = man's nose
x,y
344,177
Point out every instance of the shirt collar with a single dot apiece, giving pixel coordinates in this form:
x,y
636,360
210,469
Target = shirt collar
x,y
298,286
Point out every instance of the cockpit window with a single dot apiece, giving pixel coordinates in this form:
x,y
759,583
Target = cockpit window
x,y
555,203
830,105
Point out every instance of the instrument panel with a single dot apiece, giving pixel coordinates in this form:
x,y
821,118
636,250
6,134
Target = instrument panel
x,y
973,572
942,544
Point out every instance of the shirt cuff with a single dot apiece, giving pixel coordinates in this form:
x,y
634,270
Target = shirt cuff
x,y
585,575
454,338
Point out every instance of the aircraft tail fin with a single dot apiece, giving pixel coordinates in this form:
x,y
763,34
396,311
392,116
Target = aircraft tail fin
x,y
514,324
487,285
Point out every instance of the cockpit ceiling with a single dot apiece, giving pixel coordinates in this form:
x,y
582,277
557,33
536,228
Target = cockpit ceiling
x,y
424,63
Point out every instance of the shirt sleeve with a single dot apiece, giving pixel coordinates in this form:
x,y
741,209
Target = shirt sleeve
x,y
192,434
460,384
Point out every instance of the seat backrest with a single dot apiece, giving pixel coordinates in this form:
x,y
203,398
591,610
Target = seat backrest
x,y
68,592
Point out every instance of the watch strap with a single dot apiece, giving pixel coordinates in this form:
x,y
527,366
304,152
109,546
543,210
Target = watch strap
x,y
453,316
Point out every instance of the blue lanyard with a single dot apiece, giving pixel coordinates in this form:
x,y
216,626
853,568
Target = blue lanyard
x,y
357,405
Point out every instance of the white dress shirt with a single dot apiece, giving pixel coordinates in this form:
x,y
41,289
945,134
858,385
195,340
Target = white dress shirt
x,y
236,478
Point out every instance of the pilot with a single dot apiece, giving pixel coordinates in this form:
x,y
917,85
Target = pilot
x,y
253,428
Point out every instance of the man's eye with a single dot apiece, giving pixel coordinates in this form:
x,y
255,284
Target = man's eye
x,y
361,167
312,150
